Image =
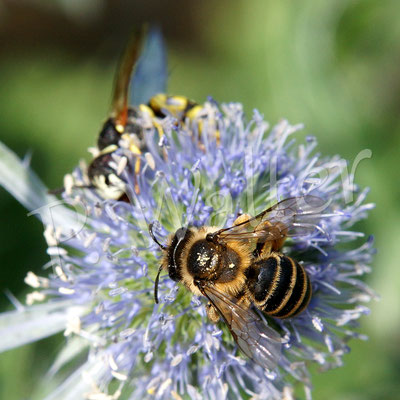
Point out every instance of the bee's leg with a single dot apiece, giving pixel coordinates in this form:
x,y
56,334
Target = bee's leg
x,y
212,313
263,249
243,299
241,218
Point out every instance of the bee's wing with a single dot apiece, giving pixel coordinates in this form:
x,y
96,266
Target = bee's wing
x,y
295,216
258,341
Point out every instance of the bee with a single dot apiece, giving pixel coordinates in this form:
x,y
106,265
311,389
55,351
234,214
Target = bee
x,y
241,268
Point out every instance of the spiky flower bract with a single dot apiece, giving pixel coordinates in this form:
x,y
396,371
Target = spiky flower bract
x,y
103,273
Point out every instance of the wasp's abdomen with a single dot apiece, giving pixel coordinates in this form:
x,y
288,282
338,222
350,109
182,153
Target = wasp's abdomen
x,y
279,286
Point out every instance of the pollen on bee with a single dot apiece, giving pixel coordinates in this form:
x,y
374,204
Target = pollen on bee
x,y
214,261
202,259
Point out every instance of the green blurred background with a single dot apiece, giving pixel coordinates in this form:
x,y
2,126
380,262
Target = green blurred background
x,y
335,66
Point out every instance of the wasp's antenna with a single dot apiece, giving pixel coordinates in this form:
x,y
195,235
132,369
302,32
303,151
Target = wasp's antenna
x,y
62,190
156,284
162,247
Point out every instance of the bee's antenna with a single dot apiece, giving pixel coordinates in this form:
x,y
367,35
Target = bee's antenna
x,y
162,247
156,284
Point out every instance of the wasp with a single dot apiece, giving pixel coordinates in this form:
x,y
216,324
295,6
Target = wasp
x,y
242,268
124,127
129,126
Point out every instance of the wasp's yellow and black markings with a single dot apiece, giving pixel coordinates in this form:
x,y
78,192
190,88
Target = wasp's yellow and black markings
x,y
140,121
176,106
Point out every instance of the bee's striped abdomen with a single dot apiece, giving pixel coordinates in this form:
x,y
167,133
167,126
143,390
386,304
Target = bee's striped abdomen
x,y
282,288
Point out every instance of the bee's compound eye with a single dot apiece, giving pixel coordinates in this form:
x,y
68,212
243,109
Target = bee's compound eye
x,y
210,237
197,282
181,233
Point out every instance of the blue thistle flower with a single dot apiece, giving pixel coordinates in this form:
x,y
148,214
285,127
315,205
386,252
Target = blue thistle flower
x,y
103,263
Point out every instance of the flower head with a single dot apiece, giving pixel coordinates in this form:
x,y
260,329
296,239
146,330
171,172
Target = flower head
x,y
199,172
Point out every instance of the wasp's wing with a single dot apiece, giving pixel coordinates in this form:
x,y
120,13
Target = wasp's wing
x,y
150,75
258,341
119,105
295,216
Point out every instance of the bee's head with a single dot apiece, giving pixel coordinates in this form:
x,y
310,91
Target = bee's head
x,y
175,251
171,256
189,256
